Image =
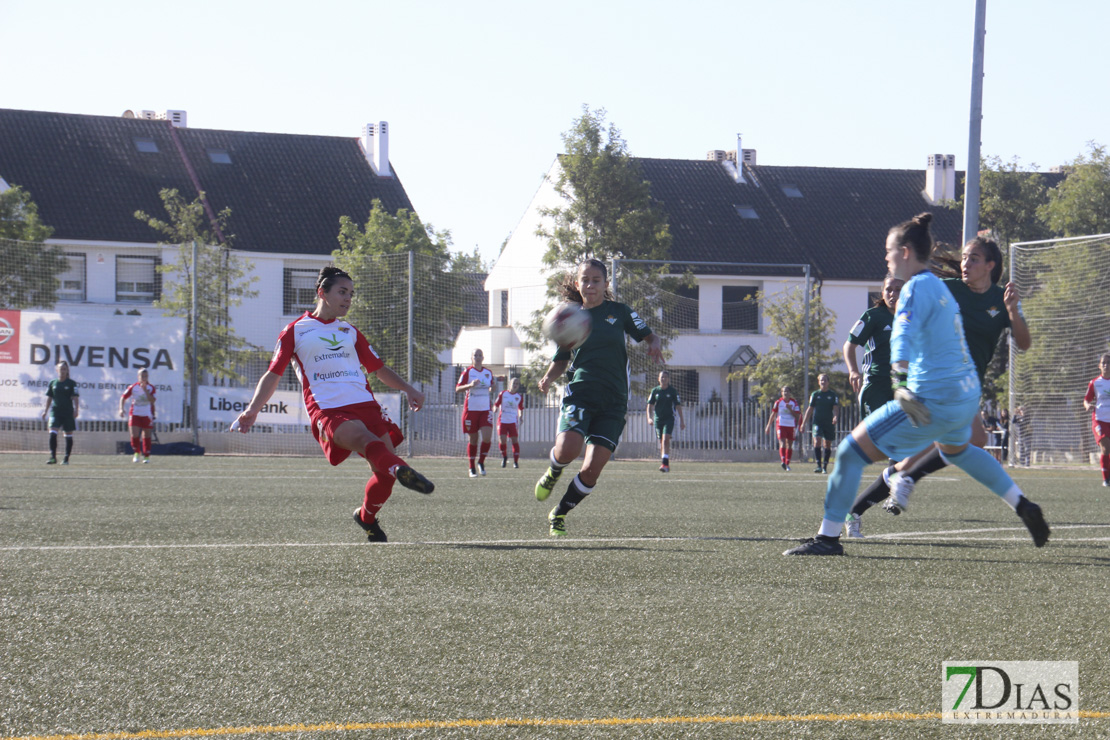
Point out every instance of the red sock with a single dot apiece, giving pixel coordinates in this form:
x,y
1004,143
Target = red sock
x,y
484,450
378,490
380,456
146,446
470,452
516,452
782,455
501,447
136,444
789,454
1105,461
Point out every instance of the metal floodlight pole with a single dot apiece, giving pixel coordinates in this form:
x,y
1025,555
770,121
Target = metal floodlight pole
x,y
193,395
975,125
412,349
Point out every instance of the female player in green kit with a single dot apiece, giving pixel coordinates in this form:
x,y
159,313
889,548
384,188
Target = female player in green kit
x,y
596,400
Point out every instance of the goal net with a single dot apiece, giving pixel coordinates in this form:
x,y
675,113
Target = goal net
x,y
1063,285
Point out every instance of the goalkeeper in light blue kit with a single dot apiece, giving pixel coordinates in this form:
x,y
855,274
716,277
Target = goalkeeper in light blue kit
x,y
935,400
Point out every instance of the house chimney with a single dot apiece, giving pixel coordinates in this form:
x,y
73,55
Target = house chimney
x,y
178,118
375,144
940,178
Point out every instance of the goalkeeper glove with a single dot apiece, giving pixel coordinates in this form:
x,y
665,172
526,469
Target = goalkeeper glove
x,y
913,406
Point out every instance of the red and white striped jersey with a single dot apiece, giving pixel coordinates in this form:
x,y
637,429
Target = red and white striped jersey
x,y
510,404
328,357
477,398
785,409
142,399
1098,393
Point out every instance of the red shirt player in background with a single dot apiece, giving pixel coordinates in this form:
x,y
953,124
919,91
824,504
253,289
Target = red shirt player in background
x,y
511,404
1097,401
785,413
477,416
140,419
329,355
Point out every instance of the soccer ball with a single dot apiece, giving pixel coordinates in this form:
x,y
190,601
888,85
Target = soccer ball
x,y
568,325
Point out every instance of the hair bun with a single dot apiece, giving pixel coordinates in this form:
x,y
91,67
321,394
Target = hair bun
x,y
923,219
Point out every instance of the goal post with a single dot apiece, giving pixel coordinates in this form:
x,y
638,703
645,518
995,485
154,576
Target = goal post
x,y
1064,284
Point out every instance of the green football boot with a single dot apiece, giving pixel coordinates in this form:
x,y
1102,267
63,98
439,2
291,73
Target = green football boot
x,y
558,523
547,483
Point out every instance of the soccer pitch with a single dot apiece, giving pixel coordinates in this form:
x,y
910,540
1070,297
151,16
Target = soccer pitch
x,y
235,596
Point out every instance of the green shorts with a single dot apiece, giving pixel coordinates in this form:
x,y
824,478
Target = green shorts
x,y
664,426
824,431
875,394
594,415
65,423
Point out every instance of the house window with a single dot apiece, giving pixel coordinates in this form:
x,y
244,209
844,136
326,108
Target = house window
x,y
791,191
746,211
504,308
71,283
739,308
300,291
137,279
147,146
219,156
680,308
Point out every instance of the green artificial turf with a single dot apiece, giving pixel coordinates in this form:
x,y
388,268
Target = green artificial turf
x,y
217,593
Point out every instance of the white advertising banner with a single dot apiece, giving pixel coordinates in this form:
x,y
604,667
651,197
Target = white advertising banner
x,y
104,354
284,407
225,404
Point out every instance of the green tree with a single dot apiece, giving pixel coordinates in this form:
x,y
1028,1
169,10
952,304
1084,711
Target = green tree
x,y
782,364
607,213
376,257
1009,198
1080,205
223,281
29,268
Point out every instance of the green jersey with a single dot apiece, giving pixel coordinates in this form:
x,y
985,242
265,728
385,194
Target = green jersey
x,y
63,392
823,403
602,360
873,332
665,400
985,318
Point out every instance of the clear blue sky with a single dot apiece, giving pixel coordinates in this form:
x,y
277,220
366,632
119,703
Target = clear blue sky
x,y
477,94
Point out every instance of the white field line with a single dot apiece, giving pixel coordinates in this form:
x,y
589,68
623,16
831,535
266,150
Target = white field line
x,y
950,534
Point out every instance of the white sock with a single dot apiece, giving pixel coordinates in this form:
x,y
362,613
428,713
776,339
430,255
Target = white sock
x,y
829,528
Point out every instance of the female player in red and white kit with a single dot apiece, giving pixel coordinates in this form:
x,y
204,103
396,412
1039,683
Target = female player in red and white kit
x,y
511,405
477,417
1097,401
140,418
329,355
785,414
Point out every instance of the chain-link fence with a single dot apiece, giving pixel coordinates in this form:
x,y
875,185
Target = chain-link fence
x,y
104,312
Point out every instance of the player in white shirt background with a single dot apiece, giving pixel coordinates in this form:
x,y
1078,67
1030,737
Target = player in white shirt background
x,y
511,405
785,413
1097,401
140,417
329,355
477,416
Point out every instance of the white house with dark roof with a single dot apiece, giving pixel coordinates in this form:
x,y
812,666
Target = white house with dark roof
x,y
834,220
90,174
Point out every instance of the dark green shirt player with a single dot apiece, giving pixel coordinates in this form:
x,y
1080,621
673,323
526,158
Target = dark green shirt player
x,y
62,407
661,406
